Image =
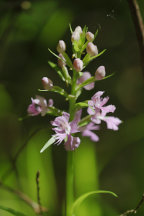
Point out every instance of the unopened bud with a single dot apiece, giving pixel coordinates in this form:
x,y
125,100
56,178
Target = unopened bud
x,y
75,36
47,83
92,49
100,73
61,62
84,77
78,64
89,36
78,29
61,47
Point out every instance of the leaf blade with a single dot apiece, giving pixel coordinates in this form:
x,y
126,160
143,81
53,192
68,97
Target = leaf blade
x,y
80,199
11,211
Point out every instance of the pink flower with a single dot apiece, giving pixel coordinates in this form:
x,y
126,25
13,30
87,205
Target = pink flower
x,y
39,106
64,129
98,111
87,131
72,143
84,77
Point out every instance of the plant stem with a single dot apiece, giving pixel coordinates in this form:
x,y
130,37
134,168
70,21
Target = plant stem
x,y
69,183
69,169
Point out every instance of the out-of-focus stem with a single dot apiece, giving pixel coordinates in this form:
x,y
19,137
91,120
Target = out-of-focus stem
x,y
139,27
69,183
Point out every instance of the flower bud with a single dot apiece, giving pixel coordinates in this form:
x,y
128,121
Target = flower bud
x,y
61,47
84,77
92,49
61,62
89,36
78,64
78,29
100,73
75,36
47,83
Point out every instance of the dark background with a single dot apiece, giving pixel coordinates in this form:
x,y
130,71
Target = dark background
x,y
116,163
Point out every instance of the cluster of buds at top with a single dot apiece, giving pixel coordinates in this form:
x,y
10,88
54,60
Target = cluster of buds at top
x,y
67,125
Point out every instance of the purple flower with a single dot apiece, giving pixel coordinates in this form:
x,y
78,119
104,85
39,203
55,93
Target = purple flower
x,y
84,77
98,111
72,143
87,131
64,129
39,106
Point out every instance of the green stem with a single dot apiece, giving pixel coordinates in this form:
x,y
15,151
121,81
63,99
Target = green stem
x,y
69,169
69,184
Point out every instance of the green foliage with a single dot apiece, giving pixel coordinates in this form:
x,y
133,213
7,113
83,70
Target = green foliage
x,y
57,69
80,199
12,211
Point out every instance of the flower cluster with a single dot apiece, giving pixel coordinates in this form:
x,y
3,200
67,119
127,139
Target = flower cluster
x,y
69,125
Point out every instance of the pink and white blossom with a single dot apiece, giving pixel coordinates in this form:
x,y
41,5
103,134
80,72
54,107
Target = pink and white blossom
x,y
88,131
98,111
64,130
38,106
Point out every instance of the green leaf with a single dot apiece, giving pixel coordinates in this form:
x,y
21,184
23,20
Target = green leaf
x,y
12,211
84,121
70,28
48,143
81,104
80,199
54,54
98,55
56,89
96,33
88,81
87,59
55,67
68,61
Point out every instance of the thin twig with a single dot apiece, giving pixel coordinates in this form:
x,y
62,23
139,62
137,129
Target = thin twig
x,y
38,191
24,198
134,211
139,26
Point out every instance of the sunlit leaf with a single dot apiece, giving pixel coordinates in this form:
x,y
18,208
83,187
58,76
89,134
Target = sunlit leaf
x,y
78,201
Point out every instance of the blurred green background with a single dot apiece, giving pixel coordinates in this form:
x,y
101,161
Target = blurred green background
x,y
116,163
